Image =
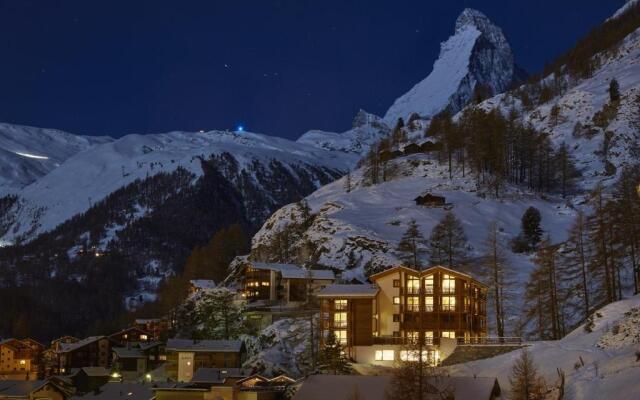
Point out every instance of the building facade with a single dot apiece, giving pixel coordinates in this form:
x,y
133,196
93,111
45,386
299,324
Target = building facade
x,y
185,357
20,359
376,323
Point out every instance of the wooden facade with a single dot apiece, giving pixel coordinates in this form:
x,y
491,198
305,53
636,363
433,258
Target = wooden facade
x,y
407,304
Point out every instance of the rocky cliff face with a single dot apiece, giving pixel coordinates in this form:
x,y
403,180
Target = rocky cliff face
x,y
477,54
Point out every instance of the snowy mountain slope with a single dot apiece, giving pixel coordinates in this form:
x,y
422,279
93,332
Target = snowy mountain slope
x,y
477,54
610,369
90,176
367,129
600,151
624,8
28,153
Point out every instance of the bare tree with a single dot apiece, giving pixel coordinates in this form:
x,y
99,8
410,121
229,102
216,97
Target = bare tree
x,y
526,383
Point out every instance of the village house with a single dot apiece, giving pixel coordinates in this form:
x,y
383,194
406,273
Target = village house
x,y
286,284
20,359
94,351
50,355
227,384
157,327
31,390
430,200
133,360
130,335
185,357
375,322
198,285
321,387
88,379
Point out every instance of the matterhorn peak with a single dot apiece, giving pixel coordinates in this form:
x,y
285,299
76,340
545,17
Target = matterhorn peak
x,y
477,54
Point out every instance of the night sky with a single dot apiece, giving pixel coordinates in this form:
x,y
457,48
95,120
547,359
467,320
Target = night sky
x,y
276,67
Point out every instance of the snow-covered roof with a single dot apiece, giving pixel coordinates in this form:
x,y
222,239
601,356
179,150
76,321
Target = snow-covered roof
x,y
342,290
232,346
67,347
292,271
320,274
218,375
19,389
125,352
203,283
320,387
123,390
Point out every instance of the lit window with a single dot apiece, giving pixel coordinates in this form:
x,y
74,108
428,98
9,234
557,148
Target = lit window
x,y
396,300
413,285
428,303
448,284
448,303
23,362
125,336
144,337
428,284
428,337
413,303
340,320
449,334
413,355
265,283
340,305
384,355
396,283
341,336
412,337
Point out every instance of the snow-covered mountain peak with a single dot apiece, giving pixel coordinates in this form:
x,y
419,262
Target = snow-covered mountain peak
x,y
363,118
481,22
477,54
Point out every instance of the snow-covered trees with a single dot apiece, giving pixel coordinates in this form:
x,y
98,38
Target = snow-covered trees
x,y
448,242
411,246
212,314
526,383
333,359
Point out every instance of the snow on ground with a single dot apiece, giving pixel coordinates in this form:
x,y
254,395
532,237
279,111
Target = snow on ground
x,y
28,153
608,373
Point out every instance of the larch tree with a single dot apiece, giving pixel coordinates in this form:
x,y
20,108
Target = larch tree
x,y
526,382
494,271
574,262
412,245
448,242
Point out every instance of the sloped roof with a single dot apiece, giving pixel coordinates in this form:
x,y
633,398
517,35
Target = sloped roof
x,y
18,388
232,346
349,290
67,347
92,371
320,274
120,390
321,387
218,375
124,352
203,283
275,266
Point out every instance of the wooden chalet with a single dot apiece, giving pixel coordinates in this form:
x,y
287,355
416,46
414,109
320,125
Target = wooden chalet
x,y
185,357
430,200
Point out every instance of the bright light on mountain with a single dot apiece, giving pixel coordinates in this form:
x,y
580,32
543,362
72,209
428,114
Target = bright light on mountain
x,y
31,156
240,128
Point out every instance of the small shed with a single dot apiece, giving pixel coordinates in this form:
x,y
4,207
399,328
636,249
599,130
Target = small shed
x,y
411,148
428,147
430,200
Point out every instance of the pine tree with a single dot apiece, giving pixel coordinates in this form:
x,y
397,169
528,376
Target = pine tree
x,y
220,316
333,359
526,383
531,229
614,91
448,242
411,245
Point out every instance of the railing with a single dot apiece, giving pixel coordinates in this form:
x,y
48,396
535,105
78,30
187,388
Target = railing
x,y
403,341
490,341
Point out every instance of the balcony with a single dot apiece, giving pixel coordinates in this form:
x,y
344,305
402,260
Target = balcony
x,y
489,341
403,341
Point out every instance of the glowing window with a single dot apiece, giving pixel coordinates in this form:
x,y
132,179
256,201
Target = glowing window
x,y
384,355
413,285
449,334
412,336
341,336
448,284
448,303
144,337
265,283
428,303
413,355
340,304
428,284
340,320
396,300
413,303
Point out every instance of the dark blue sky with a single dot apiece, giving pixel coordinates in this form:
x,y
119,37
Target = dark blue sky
x,y
278,67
